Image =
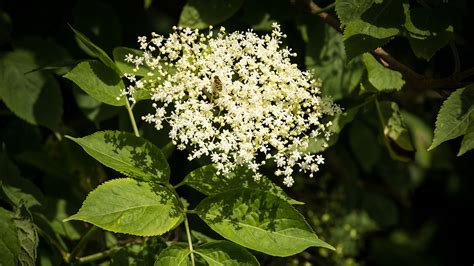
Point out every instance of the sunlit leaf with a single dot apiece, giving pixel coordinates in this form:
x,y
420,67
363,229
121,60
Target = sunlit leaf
x,y
467,141
375,27
175,255
96,51
99,81
207,181
350,10
138,254
380,77
259,221
218,253
129,206
455,116
126,67
128,154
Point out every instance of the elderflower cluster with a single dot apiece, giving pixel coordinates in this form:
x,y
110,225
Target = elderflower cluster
x,y
234,97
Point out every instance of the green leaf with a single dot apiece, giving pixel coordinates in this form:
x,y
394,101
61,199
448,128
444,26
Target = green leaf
x,y
128,154
138,254
132,207
200,237
422,136
93,109
468,140
48,55
218,253
48,234
202,13
350,10
455,116
27,236
326,59
174,255
375,27
207,181
15,188
380,77
260,221
126,67
98,81
428,30
9,244
34,97
96,51
364,146
396,135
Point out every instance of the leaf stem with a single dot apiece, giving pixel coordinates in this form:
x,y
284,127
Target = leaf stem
x,y
379,114
179,184
98,256
191,211
188,235
325,9
82,243
132,118
186,224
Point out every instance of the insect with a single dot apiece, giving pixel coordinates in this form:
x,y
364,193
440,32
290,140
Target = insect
x,y
216,85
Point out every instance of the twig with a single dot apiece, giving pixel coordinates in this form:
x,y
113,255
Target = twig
x,y
327,18
415,79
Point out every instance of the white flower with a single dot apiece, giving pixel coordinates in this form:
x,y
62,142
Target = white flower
x,y
233,97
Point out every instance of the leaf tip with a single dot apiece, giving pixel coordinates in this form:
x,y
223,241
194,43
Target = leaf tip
x,y
326,245
432,146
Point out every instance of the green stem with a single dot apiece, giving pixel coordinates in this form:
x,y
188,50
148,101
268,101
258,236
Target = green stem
x,y
191,211
179,184
326,8
58,135
98,256
132,118
379,113
82,243
188,235
457,61
186,224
